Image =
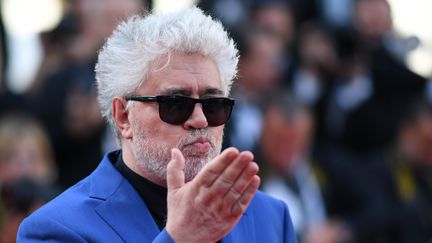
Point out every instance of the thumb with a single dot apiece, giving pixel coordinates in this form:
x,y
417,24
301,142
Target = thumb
x,y
175,174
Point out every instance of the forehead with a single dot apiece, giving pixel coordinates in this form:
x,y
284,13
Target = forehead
x,y
187,74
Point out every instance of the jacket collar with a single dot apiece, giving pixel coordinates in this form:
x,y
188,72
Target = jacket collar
x,y
123,209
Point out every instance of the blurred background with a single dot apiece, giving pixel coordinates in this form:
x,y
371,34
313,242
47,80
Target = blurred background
x,y
333,97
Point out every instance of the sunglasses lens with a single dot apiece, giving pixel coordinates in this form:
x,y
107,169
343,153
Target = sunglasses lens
x,y
175,109
217,110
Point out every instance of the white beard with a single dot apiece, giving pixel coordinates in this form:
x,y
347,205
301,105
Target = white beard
x,y
154,157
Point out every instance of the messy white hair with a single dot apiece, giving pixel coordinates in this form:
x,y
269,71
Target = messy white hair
x,y
124,61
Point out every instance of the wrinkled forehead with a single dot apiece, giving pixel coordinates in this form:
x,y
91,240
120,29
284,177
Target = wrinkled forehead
x,y
183,74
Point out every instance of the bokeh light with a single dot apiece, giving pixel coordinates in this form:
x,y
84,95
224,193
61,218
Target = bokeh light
x,y
170,5
24,20
413,18
31,16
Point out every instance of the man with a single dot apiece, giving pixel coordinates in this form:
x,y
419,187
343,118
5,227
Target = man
x,y
163,82
290,172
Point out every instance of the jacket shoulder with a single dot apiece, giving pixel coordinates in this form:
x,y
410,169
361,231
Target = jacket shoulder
x,y
271,215
268,203
69,206
78,204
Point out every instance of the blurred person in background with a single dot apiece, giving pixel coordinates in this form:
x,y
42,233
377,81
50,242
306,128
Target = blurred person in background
x,y
317,63
413,170
81,33
232,13
373,19
277,18
351,88
57,54
385,195
18,201
403,175
288,172
64,97
339,199
27,171
260,73
96,19
25,151
363,102
265,44
357,120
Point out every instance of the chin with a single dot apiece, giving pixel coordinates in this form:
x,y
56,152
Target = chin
x,y
193,165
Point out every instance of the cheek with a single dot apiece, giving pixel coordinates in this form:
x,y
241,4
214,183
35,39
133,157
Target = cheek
x,y
160,132
218,133
144,126
146,121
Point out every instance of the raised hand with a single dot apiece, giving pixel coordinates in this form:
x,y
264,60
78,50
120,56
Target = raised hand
x,y
208,207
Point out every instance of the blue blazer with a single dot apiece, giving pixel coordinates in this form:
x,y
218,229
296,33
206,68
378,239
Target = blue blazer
x,y
104,207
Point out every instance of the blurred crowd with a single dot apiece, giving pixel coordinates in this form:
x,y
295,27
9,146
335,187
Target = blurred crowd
x,y
340,126
53,135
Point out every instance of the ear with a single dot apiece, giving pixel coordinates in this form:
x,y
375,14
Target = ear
x,y
121,117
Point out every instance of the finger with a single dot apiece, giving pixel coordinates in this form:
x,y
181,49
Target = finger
x,y
175,174
224,181
240,185
215,167
243,203
228,177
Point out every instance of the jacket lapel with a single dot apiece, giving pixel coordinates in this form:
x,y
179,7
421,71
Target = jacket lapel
x,y
123,209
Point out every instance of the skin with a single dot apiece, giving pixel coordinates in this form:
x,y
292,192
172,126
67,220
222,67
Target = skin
x,y
373,17
278,19
206,207
285,139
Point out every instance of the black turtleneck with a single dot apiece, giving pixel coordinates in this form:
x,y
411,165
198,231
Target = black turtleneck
x,y
154,196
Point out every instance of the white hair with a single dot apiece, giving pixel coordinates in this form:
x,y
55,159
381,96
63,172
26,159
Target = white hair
x,y
124,61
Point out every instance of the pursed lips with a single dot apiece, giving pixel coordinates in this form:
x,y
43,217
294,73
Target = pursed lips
x,y
200,145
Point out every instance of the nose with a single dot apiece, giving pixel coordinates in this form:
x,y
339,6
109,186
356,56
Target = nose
x,y
197,119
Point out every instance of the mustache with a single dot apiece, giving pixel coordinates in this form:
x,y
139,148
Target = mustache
x,y
195,135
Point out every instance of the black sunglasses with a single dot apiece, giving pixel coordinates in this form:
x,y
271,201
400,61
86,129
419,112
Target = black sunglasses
x,y
176,109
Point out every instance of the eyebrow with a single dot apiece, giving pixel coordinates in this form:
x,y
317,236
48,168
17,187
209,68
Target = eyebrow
x,y
214,91
175,91
186,92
